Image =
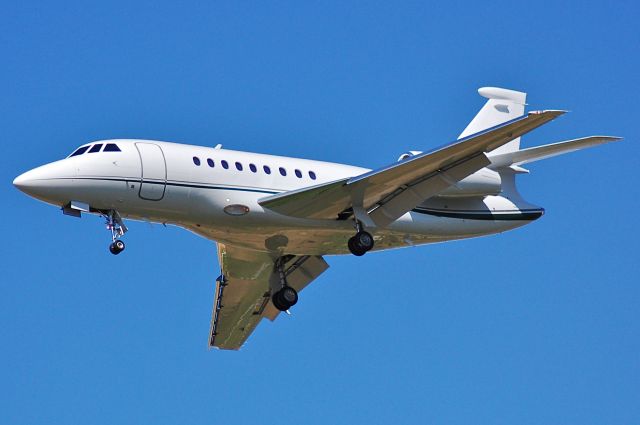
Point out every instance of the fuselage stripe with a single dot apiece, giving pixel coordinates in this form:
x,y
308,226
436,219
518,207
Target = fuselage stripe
x,y
508,215
179,184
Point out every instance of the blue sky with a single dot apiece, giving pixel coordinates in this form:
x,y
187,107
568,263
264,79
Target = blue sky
x,y
536,326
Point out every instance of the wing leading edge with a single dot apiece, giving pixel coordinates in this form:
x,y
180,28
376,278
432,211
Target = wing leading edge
x,y
388,193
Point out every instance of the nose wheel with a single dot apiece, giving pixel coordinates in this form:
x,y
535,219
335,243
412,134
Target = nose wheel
x,y
361,243
116,247
117,228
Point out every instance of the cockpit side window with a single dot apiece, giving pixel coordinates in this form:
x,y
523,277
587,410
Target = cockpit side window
x,y
111,147
79,151
95,148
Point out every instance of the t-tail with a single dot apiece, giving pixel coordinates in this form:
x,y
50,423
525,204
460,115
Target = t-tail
x,y
504,105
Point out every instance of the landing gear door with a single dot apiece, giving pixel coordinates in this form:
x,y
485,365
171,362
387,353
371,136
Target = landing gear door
x,y
154,171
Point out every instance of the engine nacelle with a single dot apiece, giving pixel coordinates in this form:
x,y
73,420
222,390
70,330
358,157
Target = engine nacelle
x,y
408,155
481,183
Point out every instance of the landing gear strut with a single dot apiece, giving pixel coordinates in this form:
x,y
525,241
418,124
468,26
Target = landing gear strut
x,y
361,242
286,297
117,228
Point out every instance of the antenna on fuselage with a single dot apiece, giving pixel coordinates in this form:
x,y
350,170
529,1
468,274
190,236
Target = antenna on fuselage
x,y
218,146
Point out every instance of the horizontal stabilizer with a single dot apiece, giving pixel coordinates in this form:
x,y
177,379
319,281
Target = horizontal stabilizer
x,y
547,151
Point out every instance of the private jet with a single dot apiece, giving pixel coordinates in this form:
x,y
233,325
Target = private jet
x,y
275,218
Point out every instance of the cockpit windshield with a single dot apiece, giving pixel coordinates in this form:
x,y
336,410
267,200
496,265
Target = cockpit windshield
x,y
79,151
109,147
95,148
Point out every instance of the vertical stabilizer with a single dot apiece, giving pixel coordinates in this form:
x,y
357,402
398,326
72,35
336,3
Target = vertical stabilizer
x,y
503,105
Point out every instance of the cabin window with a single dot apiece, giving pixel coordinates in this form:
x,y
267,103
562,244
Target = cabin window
x,y
79,151
95,148
238,166
210,162
253,168
196,160
111,147
312,175
298,174
266,169
225,164
283,172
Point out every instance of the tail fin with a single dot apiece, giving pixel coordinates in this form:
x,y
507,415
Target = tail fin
x,y
503,105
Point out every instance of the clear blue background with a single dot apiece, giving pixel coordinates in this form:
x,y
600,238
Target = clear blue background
x,y
536,326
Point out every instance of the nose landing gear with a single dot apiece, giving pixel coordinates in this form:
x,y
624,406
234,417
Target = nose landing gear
x,y
117,228
116,247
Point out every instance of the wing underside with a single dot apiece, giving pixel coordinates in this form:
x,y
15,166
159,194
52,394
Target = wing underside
x,y
243,292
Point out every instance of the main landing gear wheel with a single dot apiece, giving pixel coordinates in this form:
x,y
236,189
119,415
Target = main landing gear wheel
x,y
116,247
285,298
360,243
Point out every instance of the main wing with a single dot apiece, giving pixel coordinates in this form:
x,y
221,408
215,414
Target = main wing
x,y
242,293
388,193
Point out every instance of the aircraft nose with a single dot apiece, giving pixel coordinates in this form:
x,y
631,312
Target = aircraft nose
x,y
43,183
24,181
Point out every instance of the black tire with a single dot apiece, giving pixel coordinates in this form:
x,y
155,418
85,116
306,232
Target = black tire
x,y
116,247
275,299
289,296
364,240
354,248
351,245
285,298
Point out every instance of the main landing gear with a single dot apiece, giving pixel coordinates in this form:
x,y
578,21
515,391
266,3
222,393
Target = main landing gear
x,y
117,228
286,297
361,242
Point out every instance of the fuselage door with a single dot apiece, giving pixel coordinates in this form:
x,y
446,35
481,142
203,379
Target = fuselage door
x,y
154,171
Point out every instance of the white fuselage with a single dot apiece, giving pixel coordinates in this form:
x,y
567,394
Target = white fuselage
x,y
160,182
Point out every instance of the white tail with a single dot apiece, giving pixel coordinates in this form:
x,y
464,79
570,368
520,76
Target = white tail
x,y
503,105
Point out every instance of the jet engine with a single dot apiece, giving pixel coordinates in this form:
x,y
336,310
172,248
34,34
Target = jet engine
x,y
481,183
